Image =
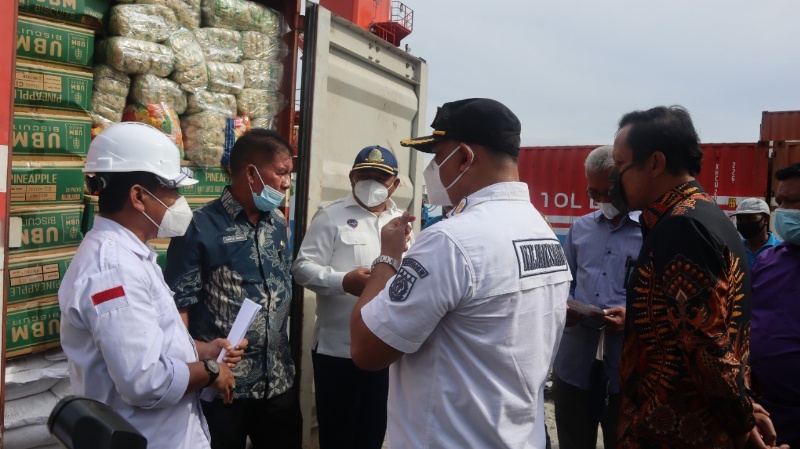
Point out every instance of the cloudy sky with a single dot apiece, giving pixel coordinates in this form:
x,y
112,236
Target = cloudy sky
x,y
570,68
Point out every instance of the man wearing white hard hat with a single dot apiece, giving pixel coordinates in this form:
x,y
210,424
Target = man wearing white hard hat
x,y
126,344
752,222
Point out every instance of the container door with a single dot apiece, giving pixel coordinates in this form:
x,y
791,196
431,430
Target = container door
x,y
357,90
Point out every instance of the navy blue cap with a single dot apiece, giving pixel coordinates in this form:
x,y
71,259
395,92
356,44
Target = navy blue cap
x,y
474,120
376,157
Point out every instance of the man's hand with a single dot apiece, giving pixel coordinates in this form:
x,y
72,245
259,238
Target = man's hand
x,y
212,349
225,383
614,319
395,235
354,281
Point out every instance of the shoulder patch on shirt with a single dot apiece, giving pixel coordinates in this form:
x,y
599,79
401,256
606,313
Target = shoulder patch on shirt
x,y
108,300
416,266
539,256
401,285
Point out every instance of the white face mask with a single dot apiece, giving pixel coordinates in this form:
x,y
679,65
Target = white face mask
x,y
371,193
176,219
608,210
437,192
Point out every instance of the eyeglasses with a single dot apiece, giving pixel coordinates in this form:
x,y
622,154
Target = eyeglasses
x,y
595,195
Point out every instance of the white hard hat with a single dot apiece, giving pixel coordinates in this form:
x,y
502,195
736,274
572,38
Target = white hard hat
x,y
134,146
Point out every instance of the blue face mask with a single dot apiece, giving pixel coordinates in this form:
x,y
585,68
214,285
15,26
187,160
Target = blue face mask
x,y
269,199
787,224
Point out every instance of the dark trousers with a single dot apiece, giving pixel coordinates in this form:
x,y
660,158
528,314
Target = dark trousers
x,y
351,403
575,429
273,423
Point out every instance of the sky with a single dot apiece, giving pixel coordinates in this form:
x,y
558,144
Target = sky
x,y
570,69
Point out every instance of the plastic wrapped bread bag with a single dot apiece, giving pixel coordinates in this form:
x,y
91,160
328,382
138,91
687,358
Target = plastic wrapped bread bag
x,y
111,81
257,45
242,15
235,128
150,89
203,100
225,78
219,44
109,89
258,103
262,74
190,65
204,137
138,57
153,23
159,116
187,11
100,123
264,123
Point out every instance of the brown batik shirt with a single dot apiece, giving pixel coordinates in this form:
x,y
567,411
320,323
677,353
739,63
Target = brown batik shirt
x,y
683,375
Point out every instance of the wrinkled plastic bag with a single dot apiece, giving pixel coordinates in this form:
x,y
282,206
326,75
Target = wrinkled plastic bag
x,y
237,126
264,123
262,74
109,89
150,89
242,15
187,11
225,78
204,137
159,116
190,72
219,44
153,23
257,45
257,103
201,101
138,57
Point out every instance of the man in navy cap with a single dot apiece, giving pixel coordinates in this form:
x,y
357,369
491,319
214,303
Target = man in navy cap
x,y
472,319
334,261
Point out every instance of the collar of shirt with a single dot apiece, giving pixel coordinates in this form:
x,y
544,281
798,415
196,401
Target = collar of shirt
x,y
350,201
126,238
233,208
631,217
654,211
516,191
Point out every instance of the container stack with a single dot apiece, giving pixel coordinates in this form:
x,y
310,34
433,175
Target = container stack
x,y
201,71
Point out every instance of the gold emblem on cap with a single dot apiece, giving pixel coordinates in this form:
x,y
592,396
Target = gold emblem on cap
x,y
375,156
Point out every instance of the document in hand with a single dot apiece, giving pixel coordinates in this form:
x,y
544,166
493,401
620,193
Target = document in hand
x,y
240,326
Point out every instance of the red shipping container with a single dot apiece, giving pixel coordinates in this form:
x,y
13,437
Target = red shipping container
x,y
557,182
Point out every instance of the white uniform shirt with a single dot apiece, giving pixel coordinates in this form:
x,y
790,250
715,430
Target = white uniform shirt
x,y
342,236
478,308
126,343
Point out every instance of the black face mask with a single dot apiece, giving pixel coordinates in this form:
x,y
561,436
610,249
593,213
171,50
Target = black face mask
x,y
617,191
749,229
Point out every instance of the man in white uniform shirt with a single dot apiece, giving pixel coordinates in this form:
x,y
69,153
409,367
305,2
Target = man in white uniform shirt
x,y
126,344
334,262
471,320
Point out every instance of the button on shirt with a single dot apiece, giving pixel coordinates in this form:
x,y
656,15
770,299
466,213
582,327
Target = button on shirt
x,y
223,259
597,254
342,236
775,336
478,308
125,341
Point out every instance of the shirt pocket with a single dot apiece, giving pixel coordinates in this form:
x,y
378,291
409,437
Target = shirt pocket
x,y
355,244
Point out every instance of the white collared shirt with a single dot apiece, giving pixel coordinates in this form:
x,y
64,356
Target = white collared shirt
x,y
478,308
126,343
342,236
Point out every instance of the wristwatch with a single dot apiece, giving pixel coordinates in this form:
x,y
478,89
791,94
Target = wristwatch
x,y
388,260
212,368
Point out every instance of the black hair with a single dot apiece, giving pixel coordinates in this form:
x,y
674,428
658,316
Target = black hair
x,y
788,172
114,188
667,129
255,147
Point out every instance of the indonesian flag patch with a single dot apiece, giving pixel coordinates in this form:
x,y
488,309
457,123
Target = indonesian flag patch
x,y
108,300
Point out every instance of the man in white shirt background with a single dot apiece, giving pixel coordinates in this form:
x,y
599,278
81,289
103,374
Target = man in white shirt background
x,y
334,261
